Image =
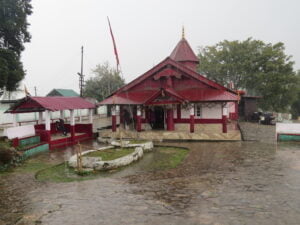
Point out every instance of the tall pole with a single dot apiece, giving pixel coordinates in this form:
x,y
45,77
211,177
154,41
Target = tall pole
x,y
81,76
35,91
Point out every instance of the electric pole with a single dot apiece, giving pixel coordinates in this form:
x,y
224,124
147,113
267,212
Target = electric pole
x,y
81,76
35,91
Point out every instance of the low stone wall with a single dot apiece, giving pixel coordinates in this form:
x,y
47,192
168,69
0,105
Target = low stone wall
x,y
147,146
96,163
123,161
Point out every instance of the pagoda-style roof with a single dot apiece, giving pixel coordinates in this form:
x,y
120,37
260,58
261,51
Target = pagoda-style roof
x,y
146,87
183,52
40,104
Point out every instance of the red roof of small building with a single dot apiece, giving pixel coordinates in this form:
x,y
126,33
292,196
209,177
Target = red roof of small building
x,y
39,104
183,52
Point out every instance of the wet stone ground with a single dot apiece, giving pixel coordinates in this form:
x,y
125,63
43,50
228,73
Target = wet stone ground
x,y
218,183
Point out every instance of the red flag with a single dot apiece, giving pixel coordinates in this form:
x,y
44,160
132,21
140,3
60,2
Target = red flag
x,y
114,43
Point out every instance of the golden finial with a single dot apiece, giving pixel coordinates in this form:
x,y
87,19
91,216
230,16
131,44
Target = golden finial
x,y
183,34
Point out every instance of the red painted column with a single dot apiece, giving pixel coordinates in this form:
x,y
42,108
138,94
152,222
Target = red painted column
x,y
113,123
224,123
138,123
236,117
192,123
113,119
138,119
170,120
15,142
121,115
192,119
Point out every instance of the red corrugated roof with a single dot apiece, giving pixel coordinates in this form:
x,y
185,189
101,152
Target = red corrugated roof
x,y
191,95
195,95
37,104
183,52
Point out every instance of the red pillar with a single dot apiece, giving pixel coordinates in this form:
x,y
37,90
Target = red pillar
x,y
170,120
15,142
138,123
236,106
192,123
113,123
47,137
192,118
138,119
121,115
224,124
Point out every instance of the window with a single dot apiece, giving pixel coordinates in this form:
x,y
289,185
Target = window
x,y
198,110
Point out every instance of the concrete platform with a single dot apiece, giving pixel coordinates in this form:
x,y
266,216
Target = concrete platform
x,y
159,135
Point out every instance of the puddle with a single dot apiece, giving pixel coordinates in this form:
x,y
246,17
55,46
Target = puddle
x,y
217,183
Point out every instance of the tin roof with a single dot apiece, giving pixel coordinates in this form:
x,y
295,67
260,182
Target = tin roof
x,y
63,92
183,52
39,104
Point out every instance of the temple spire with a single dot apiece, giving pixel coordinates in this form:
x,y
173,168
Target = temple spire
x,y
183,33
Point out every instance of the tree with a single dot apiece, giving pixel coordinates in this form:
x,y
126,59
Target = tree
x,y
104,83
295,108
260,68
13,35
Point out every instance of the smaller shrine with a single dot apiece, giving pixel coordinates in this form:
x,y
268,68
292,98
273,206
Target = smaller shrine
x,y
55,132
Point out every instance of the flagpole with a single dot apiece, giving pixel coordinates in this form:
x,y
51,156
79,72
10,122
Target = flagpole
x,y
115,46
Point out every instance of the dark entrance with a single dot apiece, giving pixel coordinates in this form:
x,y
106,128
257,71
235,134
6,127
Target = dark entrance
x,y
159,122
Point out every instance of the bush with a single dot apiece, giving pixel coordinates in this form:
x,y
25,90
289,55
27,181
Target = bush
x,y
7,153
6,156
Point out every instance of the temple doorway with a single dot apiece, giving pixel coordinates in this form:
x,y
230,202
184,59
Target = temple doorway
x,y
159,122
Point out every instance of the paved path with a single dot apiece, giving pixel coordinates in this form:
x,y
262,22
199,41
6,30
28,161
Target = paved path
x,y
257,132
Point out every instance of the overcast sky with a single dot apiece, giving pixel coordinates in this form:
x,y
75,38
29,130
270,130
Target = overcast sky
x,y
145,31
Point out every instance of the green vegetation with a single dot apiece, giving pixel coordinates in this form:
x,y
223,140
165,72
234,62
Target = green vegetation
x,y
168,158
62,173
162,158
7,155
13,34
32,165
111,154
104,83
263,69
137,141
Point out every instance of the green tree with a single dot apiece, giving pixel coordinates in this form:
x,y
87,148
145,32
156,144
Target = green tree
x,y
295,108
13,35
260,68
104,83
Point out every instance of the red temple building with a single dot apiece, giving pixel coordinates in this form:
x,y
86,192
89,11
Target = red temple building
x,y
174,97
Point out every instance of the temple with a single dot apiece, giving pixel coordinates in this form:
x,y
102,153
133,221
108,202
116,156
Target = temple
x,y
173,96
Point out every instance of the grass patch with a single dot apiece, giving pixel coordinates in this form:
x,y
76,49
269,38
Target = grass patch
x,y
111,154
62,173
5,144
168,158
32,165
137,141
162,158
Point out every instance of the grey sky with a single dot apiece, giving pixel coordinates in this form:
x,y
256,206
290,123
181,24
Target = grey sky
x,y
145,32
